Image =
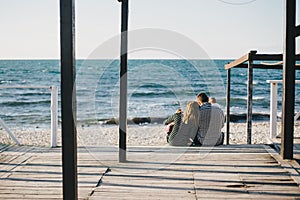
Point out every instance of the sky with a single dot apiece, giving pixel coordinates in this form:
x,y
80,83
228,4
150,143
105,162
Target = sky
x,y
224,29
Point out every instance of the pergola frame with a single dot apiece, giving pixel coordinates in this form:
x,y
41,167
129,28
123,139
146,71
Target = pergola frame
x,y
251,61
287,62
68,95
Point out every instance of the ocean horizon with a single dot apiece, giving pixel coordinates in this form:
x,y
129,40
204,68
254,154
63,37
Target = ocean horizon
x,y
156,88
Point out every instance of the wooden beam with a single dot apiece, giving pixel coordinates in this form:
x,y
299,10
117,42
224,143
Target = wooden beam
x,y
263,66
68,99
271,57
237,62
240,63
266,57
288,93
123,82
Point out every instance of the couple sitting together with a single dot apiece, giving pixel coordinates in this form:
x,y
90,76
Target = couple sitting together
x,y
200,124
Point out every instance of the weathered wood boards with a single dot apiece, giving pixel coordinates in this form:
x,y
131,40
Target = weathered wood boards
x,y
36,173
163,172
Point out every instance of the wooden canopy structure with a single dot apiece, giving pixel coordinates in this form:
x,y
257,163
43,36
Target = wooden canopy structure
x,y
251,61
286,62
68,95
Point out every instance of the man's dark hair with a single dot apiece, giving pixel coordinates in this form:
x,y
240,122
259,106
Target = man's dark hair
x,y
202,97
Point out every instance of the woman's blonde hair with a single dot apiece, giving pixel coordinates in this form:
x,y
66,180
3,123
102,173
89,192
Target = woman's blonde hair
x,y
191,112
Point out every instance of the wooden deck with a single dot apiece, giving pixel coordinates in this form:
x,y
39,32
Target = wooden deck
x,y
225,172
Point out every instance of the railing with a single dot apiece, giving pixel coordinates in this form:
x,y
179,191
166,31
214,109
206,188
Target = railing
x,y
53,108
273,106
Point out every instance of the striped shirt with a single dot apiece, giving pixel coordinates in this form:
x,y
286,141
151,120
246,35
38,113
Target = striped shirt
x,y
211,121
176,118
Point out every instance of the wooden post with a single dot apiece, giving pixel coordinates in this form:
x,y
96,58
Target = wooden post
x,y
297,31
288,93
68,99
228,107
123,83
250,96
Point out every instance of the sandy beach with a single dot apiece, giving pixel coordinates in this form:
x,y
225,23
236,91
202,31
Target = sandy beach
x,y
138,135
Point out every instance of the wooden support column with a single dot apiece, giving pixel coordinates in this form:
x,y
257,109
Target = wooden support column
x,y
297,32
228,107
68,99
288,93
123,82
250,96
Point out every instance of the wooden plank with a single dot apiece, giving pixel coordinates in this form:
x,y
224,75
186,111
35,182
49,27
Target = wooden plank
x,y
237,62
13,157
3,147
233,172
230,167
37,174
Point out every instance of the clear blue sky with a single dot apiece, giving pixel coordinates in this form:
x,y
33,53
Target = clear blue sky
x,y
30,28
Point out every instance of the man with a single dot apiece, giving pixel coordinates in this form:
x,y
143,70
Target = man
x,y
211,121
213,102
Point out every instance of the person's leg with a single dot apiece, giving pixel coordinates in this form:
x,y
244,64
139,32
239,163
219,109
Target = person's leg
x,y
168,138
196,142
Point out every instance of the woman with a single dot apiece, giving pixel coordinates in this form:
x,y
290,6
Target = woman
x,y
173,123
185,130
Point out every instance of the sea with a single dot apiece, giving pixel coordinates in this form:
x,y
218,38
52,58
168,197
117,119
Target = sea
x,y
156,88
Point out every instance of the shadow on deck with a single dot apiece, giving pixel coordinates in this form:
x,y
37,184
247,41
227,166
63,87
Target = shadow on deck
x,y
157,172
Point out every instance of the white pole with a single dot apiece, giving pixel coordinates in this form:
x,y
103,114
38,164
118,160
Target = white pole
x,y
9,132
54,115
273,110
54,112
